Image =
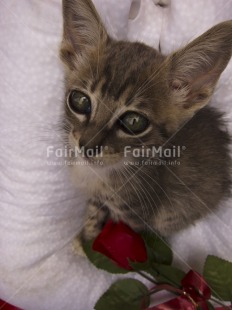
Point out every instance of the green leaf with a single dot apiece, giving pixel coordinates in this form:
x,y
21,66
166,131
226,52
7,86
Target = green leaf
x,y
158,250
123,295
101,261
218,274
166,274
140,266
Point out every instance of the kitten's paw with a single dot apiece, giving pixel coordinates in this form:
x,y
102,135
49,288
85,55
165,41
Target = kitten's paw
x,y
95,220
77,246
90,232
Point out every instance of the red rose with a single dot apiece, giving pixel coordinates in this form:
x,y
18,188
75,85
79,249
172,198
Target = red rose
x,y
121,244
6,306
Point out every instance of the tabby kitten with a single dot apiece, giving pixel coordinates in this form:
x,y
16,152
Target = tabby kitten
x,y
123,97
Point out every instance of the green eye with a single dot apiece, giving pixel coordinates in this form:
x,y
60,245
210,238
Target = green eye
x,y
79,102
133,122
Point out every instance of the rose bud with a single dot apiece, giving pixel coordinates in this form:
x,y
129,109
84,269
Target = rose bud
x,y
121,244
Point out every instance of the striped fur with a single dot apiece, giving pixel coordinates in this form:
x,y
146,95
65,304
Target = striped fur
x,y
171,92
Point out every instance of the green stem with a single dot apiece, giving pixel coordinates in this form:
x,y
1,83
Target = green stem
x,y
166,287
144,275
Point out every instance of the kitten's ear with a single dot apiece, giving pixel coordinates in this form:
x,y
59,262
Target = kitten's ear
x,y
83,30
195,69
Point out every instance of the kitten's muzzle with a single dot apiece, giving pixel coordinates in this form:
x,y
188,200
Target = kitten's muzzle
x,y
89,150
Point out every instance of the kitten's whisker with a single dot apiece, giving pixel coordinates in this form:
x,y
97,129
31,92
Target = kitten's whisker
x,y
120,175
145,206
147,193
147,82
136,192
149,185
147,86
171,204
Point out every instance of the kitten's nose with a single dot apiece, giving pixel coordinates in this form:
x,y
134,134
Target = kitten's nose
x,y
88,149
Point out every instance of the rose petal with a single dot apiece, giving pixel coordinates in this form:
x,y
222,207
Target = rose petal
x,y
121,244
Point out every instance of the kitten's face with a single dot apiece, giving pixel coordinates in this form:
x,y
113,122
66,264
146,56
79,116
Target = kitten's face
x,y
121,94
114,101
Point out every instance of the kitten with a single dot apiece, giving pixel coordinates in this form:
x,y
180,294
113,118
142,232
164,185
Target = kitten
x,y
123,98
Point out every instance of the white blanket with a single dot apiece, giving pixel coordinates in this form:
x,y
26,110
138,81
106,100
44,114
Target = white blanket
x,y
41,212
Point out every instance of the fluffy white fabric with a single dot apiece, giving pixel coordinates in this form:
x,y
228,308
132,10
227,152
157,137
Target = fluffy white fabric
x,y
41,212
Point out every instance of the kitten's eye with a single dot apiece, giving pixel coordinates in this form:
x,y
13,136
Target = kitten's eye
x,y
79,102
133,122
